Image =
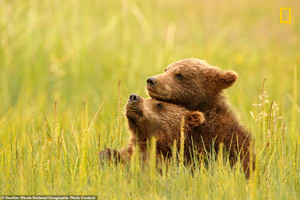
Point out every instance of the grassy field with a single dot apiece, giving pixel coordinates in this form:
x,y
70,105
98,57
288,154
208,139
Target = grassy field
x,y
60,61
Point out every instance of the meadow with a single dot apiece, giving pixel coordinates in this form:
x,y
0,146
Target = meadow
x,y
68,67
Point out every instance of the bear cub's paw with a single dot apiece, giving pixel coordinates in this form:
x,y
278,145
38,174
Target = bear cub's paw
x,y
194,119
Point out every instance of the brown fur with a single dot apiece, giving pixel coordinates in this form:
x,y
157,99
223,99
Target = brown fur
x,y
195,85
149,118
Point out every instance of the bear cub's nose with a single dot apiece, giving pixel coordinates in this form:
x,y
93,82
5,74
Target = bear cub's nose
x,y
134,97
151,81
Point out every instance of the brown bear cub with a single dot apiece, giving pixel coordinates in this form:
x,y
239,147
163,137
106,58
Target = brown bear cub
x,y
152,118
197,86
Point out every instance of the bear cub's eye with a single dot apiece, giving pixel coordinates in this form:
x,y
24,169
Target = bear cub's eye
x,y
159,106
179,76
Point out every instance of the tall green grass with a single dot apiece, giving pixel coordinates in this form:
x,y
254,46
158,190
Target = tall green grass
x,y
62,100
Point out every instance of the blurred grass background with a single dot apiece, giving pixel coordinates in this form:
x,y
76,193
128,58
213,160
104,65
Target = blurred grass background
x,y
75,52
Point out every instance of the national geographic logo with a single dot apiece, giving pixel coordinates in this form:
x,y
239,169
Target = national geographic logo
x,y
285,15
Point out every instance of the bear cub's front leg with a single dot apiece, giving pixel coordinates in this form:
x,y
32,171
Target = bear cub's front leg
x,y
109,154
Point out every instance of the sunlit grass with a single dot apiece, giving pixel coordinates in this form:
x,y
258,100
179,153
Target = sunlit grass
x,y
62,100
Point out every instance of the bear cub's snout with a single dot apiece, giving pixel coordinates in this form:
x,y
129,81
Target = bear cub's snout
x,y
134,98
151,81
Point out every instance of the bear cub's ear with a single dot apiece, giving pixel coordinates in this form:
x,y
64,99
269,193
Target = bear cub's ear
x,y
194,118
228,78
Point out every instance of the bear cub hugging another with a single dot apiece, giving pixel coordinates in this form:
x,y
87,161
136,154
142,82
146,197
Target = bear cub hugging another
x,y
152,118
197,86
